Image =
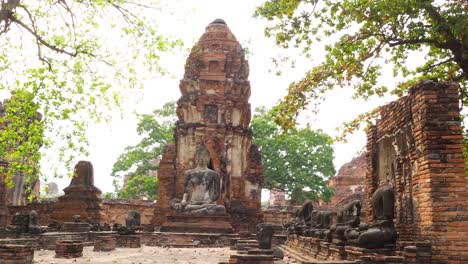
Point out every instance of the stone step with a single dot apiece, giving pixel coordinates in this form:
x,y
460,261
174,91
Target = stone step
x,y
301,259
182,245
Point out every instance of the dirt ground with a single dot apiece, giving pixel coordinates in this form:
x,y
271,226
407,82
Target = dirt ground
x,y
141,255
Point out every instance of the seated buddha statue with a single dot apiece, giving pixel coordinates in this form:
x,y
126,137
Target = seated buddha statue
x,y
382,231
201,188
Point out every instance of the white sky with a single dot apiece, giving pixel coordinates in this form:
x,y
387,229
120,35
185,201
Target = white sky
x,y
187,21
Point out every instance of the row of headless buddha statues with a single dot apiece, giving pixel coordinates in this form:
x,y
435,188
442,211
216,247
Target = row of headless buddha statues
x,y
348,228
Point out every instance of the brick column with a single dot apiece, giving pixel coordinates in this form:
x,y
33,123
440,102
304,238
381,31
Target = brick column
x,y
441,184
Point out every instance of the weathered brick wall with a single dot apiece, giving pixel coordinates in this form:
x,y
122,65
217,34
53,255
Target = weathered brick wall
x,y
277,217
277,198
113,210
416,146
350,179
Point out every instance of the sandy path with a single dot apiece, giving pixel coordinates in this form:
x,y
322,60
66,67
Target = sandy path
x,y
141,255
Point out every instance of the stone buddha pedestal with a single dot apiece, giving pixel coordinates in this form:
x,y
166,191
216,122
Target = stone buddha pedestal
x,y
198,211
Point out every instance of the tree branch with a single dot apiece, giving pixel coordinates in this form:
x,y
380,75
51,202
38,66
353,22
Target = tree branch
x,y
397,42
428,68
41,40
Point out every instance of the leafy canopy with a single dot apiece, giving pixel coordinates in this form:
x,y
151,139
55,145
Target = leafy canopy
x,y
76,60
135,164
368,34
296,160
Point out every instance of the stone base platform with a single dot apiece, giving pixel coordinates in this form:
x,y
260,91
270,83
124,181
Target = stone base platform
x,y
68,249
128,241
75,227
48,240
251,259
184,240
105,243
197,224
311,250
32,242
16,254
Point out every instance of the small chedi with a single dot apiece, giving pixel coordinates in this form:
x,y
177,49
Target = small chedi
x,y
415,190
81,196
213,120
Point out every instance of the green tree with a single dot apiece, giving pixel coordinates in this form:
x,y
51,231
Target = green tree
x,y
73,57
139,185
369,34
299,161
137,161
23,132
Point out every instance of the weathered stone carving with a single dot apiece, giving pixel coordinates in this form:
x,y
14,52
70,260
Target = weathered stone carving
x,y
33,226
303,220
382,231
133,219
201,188
76,218
347,217
26,222
324,222
264,235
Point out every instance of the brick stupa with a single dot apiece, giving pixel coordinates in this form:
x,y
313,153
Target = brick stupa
x,y
81,196
214,110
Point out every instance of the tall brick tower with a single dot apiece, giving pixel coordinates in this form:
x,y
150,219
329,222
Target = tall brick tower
x,y
214,110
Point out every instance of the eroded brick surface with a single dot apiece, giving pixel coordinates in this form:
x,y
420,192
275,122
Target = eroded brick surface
x,y
350,179
416,146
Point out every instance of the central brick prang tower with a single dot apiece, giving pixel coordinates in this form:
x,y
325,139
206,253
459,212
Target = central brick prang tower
x,y
214,110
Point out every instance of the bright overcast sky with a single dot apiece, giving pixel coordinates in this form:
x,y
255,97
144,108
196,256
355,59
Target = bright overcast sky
x,y
187,19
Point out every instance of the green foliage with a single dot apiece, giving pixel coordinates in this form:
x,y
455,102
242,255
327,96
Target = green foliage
x,y
297,159
368,34
139,185
76,59
108,195
21,137
136,161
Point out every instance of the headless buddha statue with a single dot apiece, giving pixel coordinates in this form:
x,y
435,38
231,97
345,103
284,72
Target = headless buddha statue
x,y
201,188
348,217
382,231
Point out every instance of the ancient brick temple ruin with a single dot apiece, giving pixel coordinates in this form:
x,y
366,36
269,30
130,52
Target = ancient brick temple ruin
x,y
417,147
81,196
416,190
349,181
214,111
